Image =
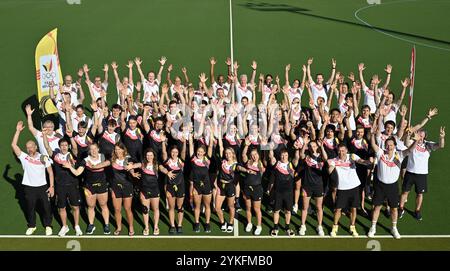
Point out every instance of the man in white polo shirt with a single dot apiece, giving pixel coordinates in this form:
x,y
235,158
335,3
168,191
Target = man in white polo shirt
x,y
348,195
386,184
417,170
35,185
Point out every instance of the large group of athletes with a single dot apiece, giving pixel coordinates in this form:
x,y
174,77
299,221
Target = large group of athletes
x,y
203,145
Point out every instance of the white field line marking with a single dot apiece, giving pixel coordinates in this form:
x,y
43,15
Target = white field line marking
x,y
231,39
391,35
235,223
215,237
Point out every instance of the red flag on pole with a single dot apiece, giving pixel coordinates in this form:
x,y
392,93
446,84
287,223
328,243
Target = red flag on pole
x,y
411,78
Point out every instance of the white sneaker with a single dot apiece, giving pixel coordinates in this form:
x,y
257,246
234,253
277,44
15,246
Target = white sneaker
x,y
78,231
372,231
30,231
230,228
295,208
320,231
48,231
224,227
64,230
249,227
258,230
395,233
302,230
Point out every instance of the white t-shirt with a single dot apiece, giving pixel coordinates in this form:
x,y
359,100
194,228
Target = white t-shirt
x,y
34,169
76,120
418,158
266,91
388,169
130,89
295,93
344,108
392,115
346,171
150,89
97,91
225,87
382,139
242,92
319,92
369,98
53,141
72,89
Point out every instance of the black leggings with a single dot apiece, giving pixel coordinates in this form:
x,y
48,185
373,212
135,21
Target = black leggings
x,y
33,195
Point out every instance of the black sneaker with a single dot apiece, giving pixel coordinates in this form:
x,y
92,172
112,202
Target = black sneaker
x,y
207,228
172,230
90,229
106,229
197,227
401,212
179,230
418,215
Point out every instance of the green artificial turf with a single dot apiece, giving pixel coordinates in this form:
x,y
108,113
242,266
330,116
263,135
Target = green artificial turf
x,y
272,32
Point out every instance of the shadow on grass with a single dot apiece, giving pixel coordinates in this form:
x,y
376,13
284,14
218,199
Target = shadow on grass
x,y
269,7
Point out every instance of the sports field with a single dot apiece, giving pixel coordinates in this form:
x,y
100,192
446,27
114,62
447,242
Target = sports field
x,y
274,33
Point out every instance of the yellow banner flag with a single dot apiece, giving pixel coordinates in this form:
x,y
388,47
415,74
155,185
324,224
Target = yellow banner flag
x,y
47,70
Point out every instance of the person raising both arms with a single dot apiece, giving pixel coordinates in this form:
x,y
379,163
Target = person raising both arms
x,y
318,89
372,93
221,82
97,89
34,182
151,84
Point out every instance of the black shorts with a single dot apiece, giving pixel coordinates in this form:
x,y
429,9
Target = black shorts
x,y
348,198
418,180
176,191
253,192
150,192
64,192
389,192
122,190
284,200
227,189
203,187
97,187
313,191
